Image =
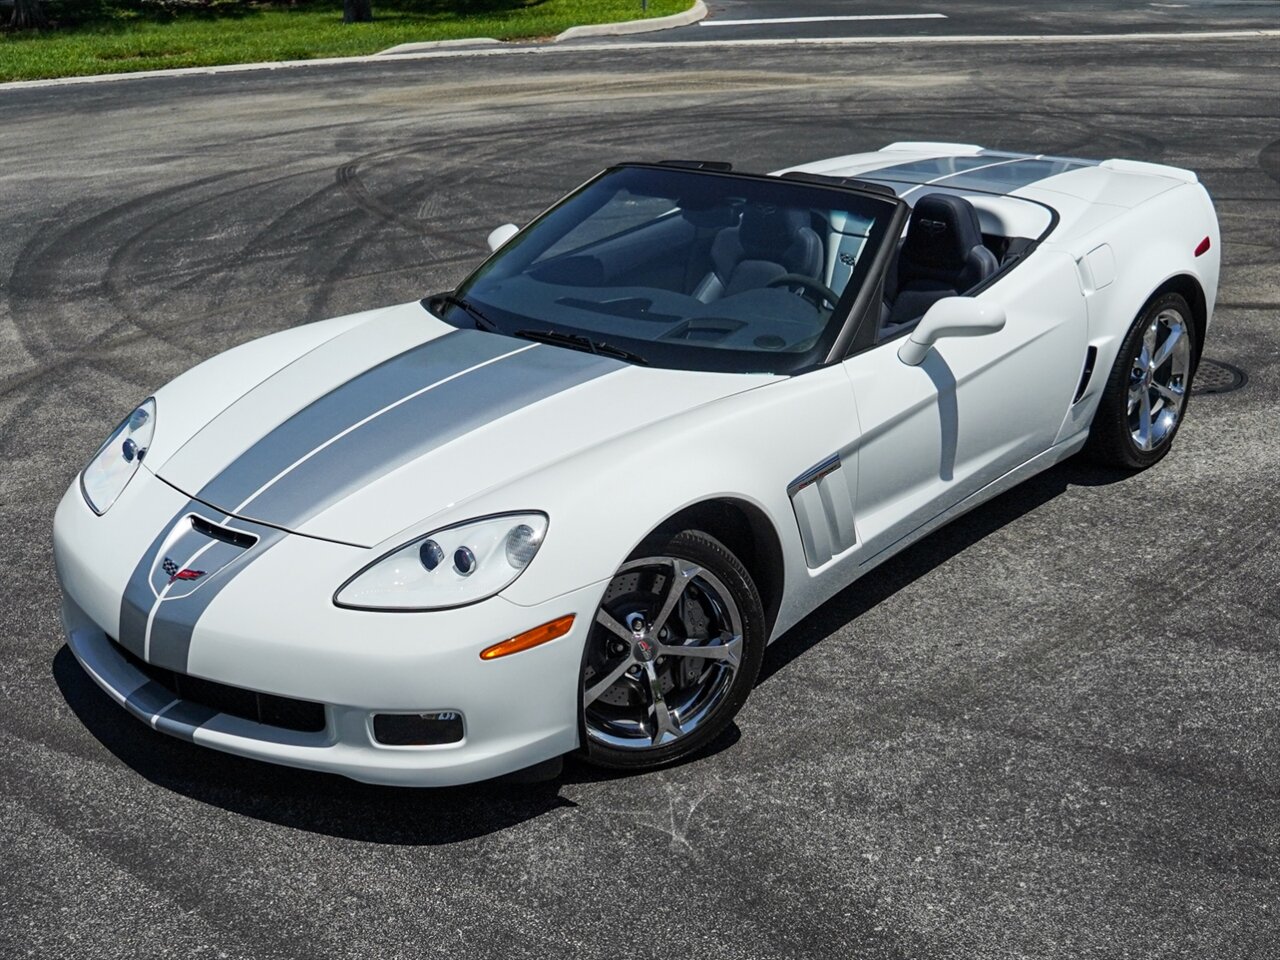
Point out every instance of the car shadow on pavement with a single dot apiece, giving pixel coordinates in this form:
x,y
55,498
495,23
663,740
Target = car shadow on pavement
x,y
931,552
304,800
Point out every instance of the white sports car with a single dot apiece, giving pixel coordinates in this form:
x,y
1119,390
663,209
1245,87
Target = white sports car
x,y
566,505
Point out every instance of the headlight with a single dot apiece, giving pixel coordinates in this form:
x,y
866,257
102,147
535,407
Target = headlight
x,y
117,460
462,564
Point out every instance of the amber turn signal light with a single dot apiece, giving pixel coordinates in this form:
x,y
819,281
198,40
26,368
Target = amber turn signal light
x,y
530,638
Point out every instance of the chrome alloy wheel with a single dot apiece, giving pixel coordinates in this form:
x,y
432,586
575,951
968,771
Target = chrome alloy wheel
x,y
666,645
1159,379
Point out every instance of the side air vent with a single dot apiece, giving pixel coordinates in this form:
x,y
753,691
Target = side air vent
x,y
1090,358
214,531
823,505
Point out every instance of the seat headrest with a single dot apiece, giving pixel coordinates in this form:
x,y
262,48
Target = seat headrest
x,y
767,233
943,229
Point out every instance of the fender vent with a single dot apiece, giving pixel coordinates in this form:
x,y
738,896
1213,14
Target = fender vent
x,y
823,504
1090,358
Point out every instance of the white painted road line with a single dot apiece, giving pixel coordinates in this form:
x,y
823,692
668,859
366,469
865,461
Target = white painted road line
x,y
766,21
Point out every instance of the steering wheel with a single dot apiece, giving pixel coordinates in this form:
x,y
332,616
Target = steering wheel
x,y
809,285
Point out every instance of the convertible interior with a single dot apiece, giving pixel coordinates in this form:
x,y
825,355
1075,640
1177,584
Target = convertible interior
x,y
745,269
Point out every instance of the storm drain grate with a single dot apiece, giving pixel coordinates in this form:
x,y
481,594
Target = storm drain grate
x,y
1215,376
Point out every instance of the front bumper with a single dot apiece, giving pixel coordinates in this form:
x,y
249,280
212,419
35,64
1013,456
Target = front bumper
x,y
273,629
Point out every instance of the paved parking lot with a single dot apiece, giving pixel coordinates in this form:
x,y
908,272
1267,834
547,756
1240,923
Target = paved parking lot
x,y
1047,731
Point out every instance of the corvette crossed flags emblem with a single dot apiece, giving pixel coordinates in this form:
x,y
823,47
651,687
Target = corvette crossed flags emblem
x,y
186,573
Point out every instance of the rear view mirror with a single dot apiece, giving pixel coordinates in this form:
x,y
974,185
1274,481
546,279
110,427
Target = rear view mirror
x,y
951,317
500,236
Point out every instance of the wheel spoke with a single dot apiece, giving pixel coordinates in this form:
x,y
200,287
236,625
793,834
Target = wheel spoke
x,y
729,650
664,721
1136,390
1149,341
1144,420
682,574
591,694
1159,357
1170,393
613,626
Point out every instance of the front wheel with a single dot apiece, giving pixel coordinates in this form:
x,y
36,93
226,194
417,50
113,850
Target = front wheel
x,y
675,648
1146,394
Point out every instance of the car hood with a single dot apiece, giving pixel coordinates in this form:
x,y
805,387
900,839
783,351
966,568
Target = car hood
x,y
401,417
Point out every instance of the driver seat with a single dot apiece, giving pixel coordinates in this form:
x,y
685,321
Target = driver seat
x,y
767,243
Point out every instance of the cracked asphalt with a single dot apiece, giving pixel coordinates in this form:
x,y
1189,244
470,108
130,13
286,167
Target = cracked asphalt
x,y
1049,730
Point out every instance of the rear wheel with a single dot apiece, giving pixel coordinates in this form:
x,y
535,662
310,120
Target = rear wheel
x,y
1145,397
674,651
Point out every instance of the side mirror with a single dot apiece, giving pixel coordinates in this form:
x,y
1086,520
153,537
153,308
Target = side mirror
x,y
951,317
500,236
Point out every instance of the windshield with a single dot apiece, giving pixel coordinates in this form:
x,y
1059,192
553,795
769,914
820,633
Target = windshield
x,y
685,269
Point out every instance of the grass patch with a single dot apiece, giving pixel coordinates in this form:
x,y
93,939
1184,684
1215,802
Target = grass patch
x,y
149,36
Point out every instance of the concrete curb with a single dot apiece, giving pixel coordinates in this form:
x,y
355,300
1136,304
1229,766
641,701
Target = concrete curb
x,y
695,13
400,48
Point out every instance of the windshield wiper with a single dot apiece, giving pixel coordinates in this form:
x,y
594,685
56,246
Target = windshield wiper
x,y
576,341
474,312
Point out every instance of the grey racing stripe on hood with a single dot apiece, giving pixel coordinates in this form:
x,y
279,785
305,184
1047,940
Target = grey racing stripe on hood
x,y
139,597
347,405
382,419
168,642
388,417
157,620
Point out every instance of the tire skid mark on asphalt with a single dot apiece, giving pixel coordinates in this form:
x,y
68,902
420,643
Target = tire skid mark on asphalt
x,y
33,339
1269,160
348,179
273,233
25,280
66,246
354,189
119,260
145,896
368,225
150,866
380,215
111,279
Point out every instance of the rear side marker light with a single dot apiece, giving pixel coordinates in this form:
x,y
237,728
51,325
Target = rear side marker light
x,y
1203,248
530,638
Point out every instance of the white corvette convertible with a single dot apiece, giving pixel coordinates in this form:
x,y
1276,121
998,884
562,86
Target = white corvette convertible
x,y
568,504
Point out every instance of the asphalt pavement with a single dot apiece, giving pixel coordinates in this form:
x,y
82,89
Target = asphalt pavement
x,y
1049,730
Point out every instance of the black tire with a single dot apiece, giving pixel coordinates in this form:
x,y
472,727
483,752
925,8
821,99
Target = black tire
x,y
1111,442
630,586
